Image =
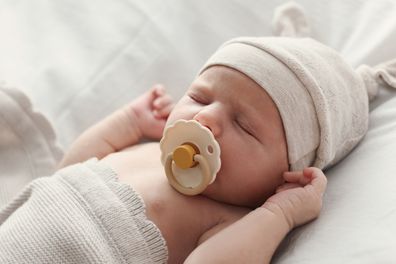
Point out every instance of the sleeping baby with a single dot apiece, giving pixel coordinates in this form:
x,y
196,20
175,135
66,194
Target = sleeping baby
x,y
281,109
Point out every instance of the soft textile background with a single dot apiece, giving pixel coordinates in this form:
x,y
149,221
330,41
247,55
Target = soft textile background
x,y
80,60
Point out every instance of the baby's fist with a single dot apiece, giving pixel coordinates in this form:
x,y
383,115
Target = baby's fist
x,y
151,111
299,199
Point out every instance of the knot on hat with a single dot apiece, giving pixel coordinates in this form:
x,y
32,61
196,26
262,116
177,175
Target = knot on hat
x,y
383,74
290,21
368,76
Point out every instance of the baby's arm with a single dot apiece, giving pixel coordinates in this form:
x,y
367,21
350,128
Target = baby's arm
x,y
255,237
145,117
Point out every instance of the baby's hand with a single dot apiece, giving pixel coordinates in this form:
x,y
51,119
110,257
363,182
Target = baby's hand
x,y
151,111
299,199
144,117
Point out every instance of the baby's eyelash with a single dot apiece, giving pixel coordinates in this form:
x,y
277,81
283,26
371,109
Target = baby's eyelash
x,y
196,99
244,128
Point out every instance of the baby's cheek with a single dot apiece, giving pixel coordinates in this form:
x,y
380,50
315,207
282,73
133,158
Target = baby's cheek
x,y
174,115
180,112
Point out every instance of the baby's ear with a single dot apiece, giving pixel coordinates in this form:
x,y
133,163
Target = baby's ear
x,y
290,21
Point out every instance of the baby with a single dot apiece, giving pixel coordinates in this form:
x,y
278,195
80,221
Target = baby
x,y
276,106
254,159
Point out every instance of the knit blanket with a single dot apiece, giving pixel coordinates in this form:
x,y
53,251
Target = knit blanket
x,y
82,214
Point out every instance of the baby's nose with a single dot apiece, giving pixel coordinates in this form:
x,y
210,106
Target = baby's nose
x,y
211,121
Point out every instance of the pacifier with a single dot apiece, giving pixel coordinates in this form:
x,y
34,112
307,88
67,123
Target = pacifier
x,y
190,155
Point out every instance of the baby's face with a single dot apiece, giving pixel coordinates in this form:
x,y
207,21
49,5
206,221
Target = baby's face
x,y
247,125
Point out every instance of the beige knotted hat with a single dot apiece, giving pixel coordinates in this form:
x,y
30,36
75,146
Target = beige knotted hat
x,y
322,101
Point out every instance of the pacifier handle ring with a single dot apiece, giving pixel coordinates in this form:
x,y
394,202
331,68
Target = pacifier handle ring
x,y
185,190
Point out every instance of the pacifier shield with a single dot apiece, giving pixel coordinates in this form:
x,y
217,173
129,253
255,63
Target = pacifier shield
x,y
186,140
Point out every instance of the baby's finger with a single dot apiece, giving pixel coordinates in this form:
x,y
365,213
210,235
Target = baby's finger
x,y
319,180
162,102
296,177
158,89
163,112
287,186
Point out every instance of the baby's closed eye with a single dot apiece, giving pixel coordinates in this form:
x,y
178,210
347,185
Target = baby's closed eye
x,y
198,99
244,126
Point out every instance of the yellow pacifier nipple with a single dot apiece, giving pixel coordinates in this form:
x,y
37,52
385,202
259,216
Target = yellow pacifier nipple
x,y
183,156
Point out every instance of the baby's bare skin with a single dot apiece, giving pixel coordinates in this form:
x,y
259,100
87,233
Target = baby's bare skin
x,y
183,221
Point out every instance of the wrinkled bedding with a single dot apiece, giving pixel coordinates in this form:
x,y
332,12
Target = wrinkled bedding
x,y
78,61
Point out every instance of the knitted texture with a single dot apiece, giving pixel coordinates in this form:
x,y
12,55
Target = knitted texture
x,y
79,215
